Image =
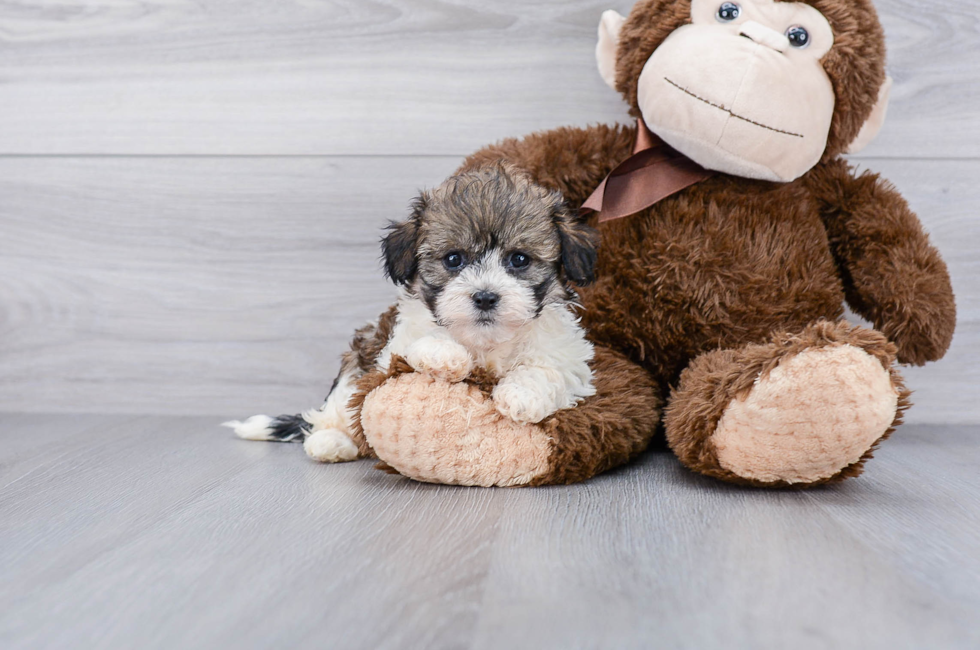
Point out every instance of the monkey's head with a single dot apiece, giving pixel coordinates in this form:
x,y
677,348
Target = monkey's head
x,y
756,88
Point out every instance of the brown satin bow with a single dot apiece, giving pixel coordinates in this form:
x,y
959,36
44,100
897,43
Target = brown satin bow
x,y
653,172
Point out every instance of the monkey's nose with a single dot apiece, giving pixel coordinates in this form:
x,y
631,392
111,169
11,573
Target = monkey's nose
x,y
485,300
764,35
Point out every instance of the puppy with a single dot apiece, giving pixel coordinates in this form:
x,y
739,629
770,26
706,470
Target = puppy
x,y
484,265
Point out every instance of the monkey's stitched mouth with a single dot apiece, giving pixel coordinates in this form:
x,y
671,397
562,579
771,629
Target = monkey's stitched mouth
x,y
735,115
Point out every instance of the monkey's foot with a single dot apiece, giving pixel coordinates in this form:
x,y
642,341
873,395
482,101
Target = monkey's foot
x,y
437,431
802,410
440,432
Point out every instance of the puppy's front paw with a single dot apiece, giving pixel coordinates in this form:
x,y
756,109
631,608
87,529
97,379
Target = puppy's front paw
x,y
330,446
443,359
520,403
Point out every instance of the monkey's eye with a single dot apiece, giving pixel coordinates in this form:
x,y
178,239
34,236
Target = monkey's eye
x,y
728,11
453,261
518,260
798,37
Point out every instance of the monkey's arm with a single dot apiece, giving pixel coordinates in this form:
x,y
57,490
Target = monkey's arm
x,y
892,275
569,159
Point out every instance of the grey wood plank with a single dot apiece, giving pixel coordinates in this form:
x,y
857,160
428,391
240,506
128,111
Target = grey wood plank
x,y
224,285
267,549
681,561
138,281
384,77
30,441
102,488
912,496
170,533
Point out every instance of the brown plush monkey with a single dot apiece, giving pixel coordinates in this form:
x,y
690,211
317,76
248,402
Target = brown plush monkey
x,y
723,299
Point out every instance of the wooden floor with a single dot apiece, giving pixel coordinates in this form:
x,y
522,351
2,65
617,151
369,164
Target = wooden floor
x,y
153,532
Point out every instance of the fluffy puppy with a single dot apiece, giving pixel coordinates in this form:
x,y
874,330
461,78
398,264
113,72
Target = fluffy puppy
x,y
484,265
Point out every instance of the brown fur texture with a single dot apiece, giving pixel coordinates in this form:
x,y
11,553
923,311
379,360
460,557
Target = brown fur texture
x,y
715,286
869,224
605,430
731,260
369,341
733,263
571,160
365,347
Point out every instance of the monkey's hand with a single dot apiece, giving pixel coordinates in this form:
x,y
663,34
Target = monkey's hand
x,y
892,275
441,358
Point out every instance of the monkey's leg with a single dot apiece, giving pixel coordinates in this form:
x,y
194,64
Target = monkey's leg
x,y
438,432
803,409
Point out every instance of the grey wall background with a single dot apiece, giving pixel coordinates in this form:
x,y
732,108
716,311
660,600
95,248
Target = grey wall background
x,y
191,192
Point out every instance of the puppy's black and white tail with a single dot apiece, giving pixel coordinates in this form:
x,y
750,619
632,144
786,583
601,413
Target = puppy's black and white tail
x,y
333,418
283,428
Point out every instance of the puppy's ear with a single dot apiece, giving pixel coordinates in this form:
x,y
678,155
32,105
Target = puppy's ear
x,y
399,247
579,243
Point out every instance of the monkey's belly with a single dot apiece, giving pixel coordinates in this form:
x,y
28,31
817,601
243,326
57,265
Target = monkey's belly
x,y
672,285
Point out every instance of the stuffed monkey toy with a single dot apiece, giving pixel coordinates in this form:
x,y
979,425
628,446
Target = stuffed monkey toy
x,y
732,234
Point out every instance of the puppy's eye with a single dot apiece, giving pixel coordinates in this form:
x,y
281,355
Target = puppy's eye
x,y
518,260
453,261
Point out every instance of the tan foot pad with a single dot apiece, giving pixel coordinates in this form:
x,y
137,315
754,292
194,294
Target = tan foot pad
x,y
816,413
434,431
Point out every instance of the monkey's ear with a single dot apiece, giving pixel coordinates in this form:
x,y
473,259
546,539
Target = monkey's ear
x,y
605,49
579,244
873,124
400,246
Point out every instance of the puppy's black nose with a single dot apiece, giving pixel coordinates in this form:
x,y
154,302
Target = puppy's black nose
x,y
485,300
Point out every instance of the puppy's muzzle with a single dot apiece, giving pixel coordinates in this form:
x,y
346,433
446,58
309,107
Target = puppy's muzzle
x,y
485,300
